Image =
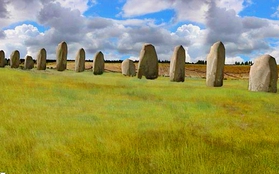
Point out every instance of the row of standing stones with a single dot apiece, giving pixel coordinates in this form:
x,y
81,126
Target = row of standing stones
x,y
263,74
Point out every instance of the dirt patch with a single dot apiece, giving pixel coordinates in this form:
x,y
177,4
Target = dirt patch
x,y
192,70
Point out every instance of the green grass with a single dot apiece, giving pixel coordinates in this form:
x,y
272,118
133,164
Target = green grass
x,y
67,122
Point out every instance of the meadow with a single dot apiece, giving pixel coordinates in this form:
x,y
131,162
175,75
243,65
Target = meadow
x,y
67,122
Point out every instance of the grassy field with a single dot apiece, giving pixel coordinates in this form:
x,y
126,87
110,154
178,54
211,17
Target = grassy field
x,y
67,122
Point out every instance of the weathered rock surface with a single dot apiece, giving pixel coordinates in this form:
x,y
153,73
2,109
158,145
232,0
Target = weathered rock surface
x,y
215,65
28,63
15,59
2,58
128,68
177,65
263,74
41,59
80,61
148,62
99,64
61,56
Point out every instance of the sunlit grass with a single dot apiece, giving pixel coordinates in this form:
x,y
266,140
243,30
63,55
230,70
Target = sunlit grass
x,y
67,122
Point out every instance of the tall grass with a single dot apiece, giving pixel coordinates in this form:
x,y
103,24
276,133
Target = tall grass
x,y
67,122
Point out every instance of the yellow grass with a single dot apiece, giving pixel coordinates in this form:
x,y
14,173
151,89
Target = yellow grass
x,y
67,122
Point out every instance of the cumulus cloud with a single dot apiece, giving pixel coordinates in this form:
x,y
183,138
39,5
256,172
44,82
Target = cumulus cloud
x,y
232,60
138,7
80,5
241,35
124,37
15,38
63,19
3,9
191,10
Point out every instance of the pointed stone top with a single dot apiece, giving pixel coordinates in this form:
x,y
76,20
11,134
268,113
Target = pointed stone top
x,y
179,47
99,52
218,43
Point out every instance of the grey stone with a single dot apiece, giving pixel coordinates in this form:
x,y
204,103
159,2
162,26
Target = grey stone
x,y
15,59
215,65
2,58
128,68
61,56
177,65
263,74
41,59
28,63
99,64
80,61
148,62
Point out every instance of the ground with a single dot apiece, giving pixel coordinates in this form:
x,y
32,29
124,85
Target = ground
x,y
192,70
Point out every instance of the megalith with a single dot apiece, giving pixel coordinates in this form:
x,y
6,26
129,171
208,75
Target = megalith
x,y
80,61
128,68
215,65
41,59
15,59
148,62
263,74
28,63
99,64
2,58
61,56
177,65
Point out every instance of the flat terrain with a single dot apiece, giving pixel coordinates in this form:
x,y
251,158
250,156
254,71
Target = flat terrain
x,y
192,70
67,122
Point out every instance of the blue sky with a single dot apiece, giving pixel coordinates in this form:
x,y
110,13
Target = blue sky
x,y
248,28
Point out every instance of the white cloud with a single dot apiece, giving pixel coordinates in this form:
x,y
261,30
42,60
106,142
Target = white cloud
x,y
15,39
236,5
247,36
139,7
191,10
275,53
232,60
276,14
81,5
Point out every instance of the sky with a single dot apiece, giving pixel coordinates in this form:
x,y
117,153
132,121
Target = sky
x,y
119,28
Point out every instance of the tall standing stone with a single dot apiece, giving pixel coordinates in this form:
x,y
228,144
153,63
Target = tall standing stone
x,y
28,63
41,59
15,59
99,64
2,58
80,61
215,65
148,62
263,74
177,65
61,56
128,68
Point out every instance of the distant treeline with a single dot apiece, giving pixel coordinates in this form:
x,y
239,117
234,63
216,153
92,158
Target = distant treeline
x,y
203,62
200,62
244,63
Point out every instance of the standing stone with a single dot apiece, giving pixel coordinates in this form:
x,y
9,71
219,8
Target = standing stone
x,y
215,65
148,62
2,58
28,63
61,56
177,65
263,74
128,68
14,59
99,64
41,59
80,61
